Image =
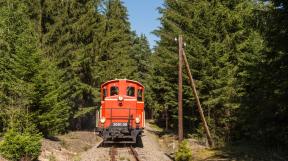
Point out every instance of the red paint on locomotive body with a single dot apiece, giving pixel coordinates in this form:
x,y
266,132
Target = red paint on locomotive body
x,y
122,106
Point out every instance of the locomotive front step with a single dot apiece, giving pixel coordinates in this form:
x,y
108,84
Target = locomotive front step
x,y
119,135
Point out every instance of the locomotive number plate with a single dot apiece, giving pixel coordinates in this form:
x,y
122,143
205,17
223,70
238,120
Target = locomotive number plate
x,y
119,124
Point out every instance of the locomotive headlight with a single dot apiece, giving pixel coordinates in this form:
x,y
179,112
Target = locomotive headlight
x,y
120,98
137,120
102,120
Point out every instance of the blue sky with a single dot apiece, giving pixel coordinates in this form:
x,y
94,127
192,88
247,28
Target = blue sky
x,y
143,16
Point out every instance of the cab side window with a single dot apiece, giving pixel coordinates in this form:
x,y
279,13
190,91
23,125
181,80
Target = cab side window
x,y
104,93
130,91
114,91
140,95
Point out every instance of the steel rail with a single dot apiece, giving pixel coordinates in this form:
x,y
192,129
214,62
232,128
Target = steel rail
x,y
134,153
113,153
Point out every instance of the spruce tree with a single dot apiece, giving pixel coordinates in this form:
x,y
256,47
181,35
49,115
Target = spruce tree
x,y
22,141
141,55
51,111
68,36
267,87
19,57
115,44
221,45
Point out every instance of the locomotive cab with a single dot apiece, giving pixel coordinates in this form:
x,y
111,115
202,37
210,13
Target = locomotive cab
x,y
121,117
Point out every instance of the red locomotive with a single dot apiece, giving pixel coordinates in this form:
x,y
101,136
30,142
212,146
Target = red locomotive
x,y
121,117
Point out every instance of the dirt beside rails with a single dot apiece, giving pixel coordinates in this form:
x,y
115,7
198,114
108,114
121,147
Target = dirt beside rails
x,y
151,150
68,147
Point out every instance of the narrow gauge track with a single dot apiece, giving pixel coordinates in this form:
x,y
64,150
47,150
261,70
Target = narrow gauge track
x,y
113,153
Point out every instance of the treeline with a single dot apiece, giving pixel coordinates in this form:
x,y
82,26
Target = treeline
x,y
55,54
238,54
53,57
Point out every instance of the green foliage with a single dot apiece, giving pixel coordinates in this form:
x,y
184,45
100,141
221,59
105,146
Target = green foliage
x,y
222,45
68,41
114,44
184,152
20,145
141,55
84,111
22,139
55,54
18,58
51,111
238,56
267,85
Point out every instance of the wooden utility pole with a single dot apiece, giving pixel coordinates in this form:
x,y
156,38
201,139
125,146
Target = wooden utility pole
x,y
180,110
210,140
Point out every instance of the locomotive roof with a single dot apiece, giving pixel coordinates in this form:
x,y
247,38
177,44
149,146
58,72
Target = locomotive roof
x,y
115,80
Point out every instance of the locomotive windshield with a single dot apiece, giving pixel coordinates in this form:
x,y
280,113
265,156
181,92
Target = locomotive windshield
x,y
140,95
130,91
114,91
104,93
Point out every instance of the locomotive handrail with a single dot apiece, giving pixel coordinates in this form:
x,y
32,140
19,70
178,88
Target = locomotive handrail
x,y
127,108
115,118
129,117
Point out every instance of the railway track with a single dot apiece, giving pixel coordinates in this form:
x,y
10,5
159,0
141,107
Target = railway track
x,y
113,153
134,153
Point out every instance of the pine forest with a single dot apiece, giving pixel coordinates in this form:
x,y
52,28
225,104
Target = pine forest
x,y
54,56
